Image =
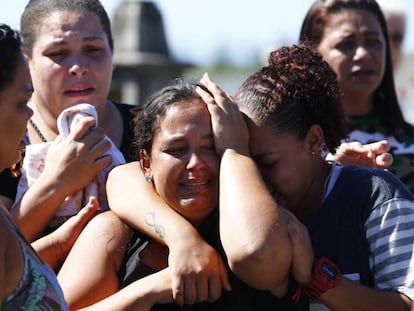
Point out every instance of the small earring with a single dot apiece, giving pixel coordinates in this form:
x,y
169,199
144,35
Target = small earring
x,y
313,152
148,179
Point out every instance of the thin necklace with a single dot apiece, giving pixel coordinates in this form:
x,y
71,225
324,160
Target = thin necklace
x,y
38,132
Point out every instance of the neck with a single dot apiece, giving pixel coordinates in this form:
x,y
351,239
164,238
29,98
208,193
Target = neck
x,y
42,125
105,116
110,119
356,105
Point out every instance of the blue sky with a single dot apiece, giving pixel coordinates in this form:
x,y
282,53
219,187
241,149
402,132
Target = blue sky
x,y
197,30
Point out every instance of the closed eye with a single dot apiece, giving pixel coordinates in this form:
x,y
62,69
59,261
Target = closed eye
x,y
176,151
56,53
345,45
267,160
94,50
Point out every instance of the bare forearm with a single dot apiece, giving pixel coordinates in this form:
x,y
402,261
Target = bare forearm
x,y
38,206
141,295
352,296
45,247
129,298
260,245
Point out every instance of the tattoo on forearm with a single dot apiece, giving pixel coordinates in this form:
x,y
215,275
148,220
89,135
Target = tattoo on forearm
x,y
150,221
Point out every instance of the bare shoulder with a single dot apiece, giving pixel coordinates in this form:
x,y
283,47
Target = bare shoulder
x,y
125,169
124,178
106,223
11,259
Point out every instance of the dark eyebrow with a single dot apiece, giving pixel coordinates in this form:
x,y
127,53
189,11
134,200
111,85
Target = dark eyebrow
x,y
179,138
65,42
93,38
373,32
175,139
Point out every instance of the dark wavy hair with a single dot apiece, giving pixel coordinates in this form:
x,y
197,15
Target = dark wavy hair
x,y
295,91
147,120
10,53
384,98
36,10
10,56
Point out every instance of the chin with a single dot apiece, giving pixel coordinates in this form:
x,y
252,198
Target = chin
x,y
194,203
200,208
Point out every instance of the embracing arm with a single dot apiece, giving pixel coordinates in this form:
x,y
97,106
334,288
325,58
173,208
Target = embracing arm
x,y
260,245
71,164
135,201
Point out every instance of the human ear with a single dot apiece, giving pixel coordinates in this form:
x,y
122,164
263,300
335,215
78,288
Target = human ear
x,y
315,139
145,164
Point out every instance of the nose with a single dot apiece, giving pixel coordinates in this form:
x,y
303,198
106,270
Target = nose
x,y
195,161
360,52
78,66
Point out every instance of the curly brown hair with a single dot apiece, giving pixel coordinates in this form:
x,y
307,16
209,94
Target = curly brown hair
x,y
295,91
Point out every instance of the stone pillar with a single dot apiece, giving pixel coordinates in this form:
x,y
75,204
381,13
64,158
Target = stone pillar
x,y
143,63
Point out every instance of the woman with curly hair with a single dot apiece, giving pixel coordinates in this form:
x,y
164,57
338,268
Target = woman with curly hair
x,y
180,161
361,219
355,216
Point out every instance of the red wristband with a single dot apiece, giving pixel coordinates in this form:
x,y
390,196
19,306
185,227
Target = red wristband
x,y
325,275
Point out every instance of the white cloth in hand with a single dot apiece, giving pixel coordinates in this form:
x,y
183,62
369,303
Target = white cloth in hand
x,y
35,158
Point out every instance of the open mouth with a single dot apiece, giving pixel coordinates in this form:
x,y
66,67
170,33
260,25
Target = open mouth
x,y
79,92
363,74
194,184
